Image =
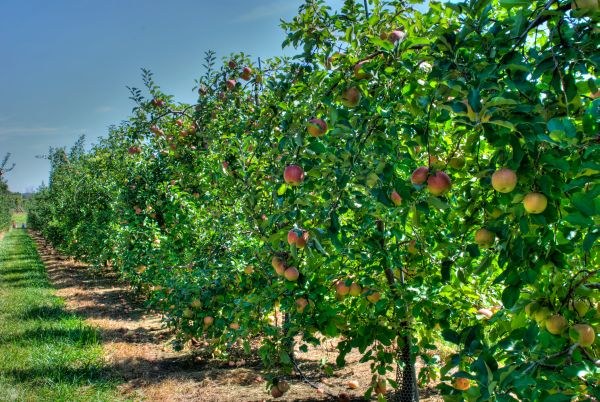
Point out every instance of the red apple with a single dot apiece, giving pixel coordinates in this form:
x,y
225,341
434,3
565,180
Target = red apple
x,y
504,180
583,334
412,247
208,321
396,198
157,102
419,176
461,384
351,97
246,73
341,288
291,274
535,203
230,84
555,324
487,313
438,183
396,36
278,264
232,64
134,150
293,174
297,237
316,127
301,304
355,289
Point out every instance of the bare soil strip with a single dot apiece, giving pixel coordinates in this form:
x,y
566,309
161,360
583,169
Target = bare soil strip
x,y
138,349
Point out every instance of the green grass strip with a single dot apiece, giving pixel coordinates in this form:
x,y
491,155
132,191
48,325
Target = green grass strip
x,y
46,353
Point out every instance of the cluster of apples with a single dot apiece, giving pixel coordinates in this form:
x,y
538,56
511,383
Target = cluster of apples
x,y
290,273
438,183
246,75
581,333
279,388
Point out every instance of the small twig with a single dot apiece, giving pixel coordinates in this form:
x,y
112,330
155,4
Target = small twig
x,y
306,380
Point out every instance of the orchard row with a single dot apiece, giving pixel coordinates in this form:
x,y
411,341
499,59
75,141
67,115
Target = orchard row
x,y
409,181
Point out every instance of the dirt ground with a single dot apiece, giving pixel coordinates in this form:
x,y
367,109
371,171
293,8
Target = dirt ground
x,y
139,353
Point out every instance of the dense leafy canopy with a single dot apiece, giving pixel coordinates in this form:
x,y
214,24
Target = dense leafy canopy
x,y
189,202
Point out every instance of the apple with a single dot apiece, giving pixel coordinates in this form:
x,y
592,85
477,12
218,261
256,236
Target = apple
x,y
232,64
278,264
297,237
301,304
435,162
374,297
461,384
351,97
396,36
556,323
141,269
283,386
541,314
504,180
359,72
380,386
487,313
355,289
230,84
396,198
134,150
316,127
419,176
293,174
484,238
234,326
208,321
352,384
586,5
187,313
438,183
276,393
248,269
179,122
196,304
457,162
157,102
581,307
341,288
412,247
291,274
246,73
157,131
535,203
583,334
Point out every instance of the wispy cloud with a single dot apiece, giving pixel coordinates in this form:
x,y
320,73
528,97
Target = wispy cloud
x,y
265,11
27,130
103,109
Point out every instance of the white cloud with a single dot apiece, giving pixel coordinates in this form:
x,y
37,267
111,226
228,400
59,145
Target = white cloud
x,y
260,12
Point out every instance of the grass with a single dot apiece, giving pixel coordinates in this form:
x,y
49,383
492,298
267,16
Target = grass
x,y
46,353
19,218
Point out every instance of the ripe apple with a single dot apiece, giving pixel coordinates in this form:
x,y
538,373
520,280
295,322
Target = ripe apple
x,y
232,64
352,384
297,237
179,122
396,36
419,176
583,334
316,127
208,321
293,174
556,323
157,102
504,180
487,313
276,393
291,274
196,304
359,72
461,384
380,386
341,288
230,84
412,247
535,203
438,183
351,97
278,264
484,238
355,289
283,386
234,326
248,269
374,297
134,150
396,198
301,304
246,73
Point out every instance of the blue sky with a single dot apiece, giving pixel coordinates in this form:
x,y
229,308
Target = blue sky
x,y
65,64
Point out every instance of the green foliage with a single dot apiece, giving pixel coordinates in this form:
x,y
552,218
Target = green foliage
x,y
182,198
